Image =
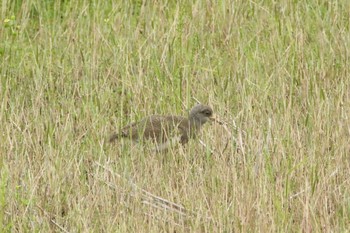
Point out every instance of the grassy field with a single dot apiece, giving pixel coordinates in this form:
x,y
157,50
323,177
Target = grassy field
x,y
275,72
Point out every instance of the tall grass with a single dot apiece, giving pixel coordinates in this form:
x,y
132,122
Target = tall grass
x,y
276,73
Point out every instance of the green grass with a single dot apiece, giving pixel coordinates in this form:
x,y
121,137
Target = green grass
x,y
72,72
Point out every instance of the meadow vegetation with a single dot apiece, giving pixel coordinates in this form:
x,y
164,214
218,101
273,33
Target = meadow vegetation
x,y
275,72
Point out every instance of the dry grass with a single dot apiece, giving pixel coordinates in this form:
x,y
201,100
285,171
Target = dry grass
x,y
275,73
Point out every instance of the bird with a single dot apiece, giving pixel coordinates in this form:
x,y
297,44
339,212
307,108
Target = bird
x,y
166,130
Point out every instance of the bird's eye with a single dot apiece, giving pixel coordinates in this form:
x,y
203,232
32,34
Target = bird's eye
x,y
207,112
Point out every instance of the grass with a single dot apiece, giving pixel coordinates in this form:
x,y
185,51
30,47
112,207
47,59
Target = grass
x,y
72,72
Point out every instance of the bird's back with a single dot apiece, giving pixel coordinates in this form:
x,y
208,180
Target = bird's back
x,y
158,128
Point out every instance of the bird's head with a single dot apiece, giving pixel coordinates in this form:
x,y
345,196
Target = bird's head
x,y
201,113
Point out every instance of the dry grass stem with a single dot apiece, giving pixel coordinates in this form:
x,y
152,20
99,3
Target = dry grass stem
x,y
52,221
147,197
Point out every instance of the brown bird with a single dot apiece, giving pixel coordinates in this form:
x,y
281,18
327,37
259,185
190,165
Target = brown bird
x,y
164,130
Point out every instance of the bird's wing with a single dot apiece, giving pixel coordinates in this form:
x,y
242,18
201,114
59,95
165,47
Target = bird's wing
x,y
158,128
182,127
161,128
148,128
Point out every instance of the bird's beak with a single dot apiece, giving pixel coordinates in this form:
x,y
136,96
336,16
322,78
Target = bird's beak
x,y
212,119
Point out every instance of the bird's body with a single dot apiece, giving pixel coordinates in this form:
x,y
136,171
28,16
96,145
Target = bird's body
x,y
164,129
